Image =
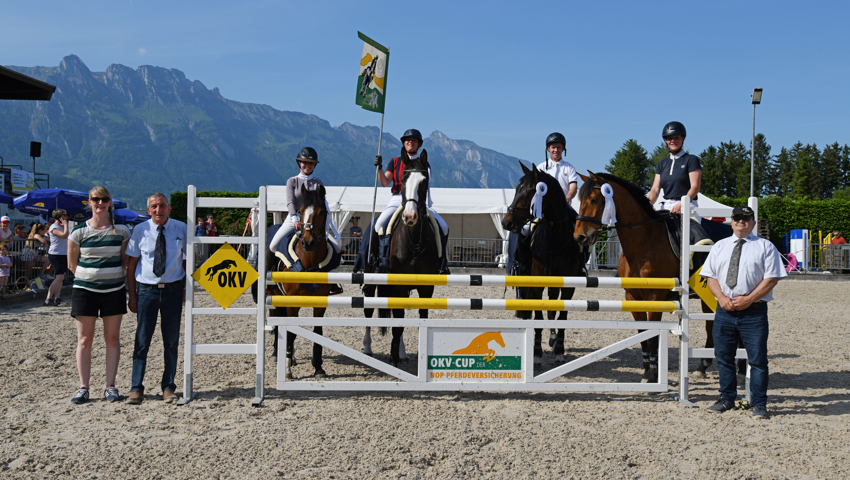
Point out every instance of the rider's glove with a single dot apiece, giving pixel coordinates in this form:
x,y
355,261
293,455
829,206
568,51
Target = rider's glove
x,y
378,161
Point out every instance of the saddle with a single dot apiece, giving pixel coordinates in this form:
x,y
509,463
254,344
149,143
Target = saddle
x,y
394,223
698,237
326,265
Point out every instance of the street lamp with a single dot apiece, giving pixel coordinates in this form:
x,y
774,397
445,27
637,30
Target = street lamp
x,y
756,101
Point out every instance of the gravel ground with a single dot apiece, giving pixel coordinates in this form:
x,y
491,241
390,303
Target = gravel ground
x,y
425,435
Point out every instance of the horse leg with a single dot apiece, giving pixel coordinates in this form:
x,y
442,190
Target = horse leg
x,y
274,346
651,374
705,363
290,345
317,348
367,340
553,295
558,350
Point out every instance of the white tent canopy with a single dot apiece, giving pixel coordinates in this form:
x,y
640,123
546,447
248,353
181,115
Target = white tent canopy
x,y
470,212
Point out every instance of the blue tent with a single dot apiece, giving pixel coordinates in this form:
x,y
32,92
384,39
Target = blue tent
x,y
5,199
123,215
44,201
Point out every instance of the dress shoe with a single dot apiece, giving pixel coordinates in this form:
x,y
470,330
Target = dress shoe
x,y
135,397
169,396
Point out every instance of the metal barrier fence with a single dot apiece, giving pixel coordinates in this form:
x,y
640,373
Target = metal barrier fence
x,y
27,265
607,254
829,257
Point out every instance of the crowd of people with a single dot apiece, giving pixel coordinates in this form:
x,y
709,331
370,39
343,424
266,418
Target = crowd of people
x,y
115,269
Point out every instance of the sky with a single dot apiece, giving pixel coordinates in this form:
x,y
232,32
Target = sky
x,y
501,74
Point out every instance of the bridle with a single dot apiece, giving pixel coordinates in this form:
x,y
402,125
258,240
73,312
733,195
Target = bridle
x,y
598,219
310,227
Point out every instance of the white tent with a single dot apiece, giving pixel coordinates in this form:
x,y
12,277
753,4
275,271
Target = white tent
x,y
470,212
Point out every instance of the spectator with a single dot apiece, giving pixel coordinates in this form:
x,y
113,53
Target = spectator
x,y
58,255
6,232
96,257
36,250
156,281
20,231
741,272
200,231
355,233
5,267
212,229
837,239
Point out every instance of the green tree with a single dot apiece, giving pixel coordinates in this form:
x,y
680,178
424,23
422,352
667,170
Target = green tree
x,y
631,163
712,177
761,166
782,173
660,153
830,169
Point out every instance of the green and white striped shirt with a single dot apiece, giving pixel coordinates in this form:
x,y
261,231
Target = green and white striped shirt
x,y
99,268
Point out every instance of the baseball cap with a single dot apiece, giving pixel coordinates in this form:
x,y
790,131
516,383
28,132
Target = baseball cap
x,y
5,219
743,210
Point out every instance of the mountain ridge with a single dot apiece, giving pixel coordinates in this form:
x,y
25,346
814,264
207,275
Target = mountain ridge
x,y
152,129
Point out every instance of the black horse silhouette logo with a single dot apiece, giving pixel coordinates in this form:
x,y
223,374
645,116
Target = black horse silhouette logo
x,y
224,265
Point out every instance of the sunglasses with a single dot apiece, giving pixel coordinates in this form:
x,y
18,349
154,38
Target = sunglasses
x,y
100,200
742,218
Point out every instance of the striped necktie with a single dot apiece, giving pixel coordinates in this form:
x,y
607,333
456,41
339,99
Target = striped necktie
x,y
159,253
734,261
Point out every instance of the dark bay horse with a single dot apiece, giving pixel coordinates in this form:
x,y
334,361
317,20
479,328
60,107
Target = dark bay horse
x,y
414,244
646,250
311,247
551,246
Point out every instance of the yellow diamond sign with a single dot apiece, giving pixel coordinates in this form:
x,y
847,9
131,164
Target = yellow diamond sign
x,y
225,275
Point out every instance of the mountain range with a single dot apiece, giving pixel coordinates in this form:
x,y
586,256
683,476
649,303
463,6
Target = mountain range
x,y
152,129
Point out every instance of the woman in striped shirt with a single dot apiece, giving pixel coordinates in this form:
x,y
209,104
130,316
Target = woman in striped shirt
x,y
96,257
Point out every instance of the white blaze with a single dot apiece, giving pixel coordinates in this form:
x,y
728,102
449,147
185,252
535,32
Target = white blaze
x,y
411,192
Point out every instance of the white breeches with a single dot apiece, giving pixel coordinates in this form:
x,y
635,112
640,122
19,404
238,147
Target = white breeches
x,y
668,204
288,226
388,212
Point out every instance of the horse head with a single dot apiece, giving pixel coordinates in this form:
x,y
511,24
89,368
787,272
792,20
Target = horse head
x,y
414,190
519,213
589,219
314,217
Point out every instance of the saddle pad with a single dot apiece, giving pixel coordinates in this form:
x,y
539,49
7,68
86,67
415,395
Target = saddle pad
x,y
393,223
291,247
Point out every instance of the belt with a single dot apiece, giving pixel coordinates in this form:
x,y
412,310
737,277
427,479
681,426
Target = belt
x,y
164,284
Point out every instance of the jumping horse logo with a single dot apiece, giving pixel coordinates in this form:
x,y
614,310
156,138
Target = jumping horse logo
x,y
479,345
224,265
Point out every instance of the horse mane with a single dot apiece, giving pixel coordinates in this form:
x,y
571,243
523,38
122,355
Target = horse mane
x,y
552,186
314,197
634,190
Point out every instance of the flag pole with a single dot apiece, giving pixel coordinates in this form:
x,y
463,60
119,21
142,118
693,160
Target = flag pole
x,y
374,196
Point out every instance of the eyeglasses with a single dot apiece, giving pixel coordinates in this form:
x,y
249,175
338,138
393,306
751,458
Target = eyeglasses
x,y
741,218
100,200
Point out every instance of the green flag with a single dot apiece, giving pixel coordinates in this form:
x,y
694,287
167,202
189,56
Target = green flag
x,y
372,76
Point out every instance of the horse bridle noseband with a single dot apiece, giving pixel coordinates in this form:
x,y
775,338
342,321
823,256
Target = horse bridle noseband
x,y
309,227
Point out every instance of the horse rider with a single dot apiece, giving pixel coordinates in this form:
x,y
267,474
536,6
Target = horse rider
x,y
678,175
307,160
556,166
412,142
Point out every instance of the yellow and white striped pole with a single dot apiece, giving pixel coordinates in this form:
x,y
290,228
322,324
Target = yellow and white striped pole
x,y
474,280
472,304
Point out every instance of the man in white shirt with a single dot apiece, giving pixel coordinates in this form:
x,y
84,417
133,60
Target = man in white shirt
x,y
741,272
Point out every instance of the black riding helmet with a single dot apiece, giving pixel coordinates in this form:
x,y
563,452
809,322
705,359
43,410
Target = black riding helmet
x,y
674,128
308,153
412,133
556,138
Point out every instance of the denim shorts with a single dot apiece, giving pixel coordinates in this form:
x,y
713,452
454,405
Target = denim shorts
x,y
86,303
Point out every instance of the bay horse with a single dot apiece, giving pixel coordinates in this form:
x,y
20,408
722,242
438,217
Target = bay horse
x,y
551,246
413,247
311,247
646,251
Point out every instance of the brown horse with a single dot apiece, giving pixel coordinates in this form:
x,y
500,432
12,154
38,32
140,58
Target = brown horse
x,y
551,246
646,250
413,248
311,248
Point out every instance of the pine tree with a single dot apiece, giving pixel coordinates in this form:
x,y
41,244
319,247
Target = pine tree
x,y
660,153
712,180
631,163
830,169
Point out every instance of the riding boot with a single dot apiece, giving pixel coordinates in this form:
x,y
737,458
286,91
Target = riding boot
x,y
444,267
297,267
384,253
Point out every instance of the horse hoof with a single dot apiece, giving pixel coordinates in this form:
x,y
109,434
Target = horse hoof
x,y
289,376
559,358
538,360
320,373
699,374
368,354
